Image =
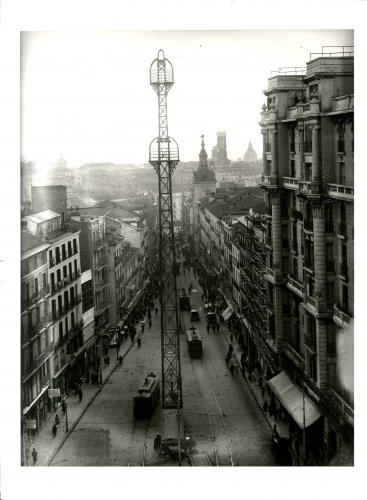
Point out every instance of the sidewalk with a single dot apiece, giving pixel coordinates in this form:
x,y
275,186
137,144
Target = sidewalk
x,y
253,385
45,444
282,427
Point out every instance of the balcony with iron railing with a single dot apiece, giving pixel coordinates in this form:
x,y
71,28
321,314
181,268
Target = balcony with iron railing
x,y
342,229
294,355
305,186
343,103
310,342
341,314
295,286
308,225
343,270
340,192
290,183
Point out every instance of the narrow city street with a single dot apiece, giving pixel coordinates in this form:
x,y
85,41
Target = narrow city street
x,y
220,414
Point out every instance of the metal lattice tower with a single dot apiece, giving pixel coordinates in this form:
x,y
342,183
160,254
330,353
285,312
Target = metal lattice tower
x,y
163,156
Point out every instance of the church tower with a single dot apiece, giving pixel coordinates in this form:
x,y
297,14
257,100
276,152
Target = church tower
x,y
204,181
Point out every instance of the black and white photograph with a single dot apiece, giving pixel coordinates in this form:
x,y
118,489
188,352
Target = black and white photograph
x,y
186,277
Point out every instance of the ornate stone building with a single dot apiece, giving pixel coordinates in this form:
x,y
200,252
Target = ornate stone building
x,y
308,182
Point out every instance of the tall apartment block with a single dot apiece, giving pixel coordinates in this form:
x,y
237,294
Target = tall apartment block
x,y
52,336
36,335
308,183
93,253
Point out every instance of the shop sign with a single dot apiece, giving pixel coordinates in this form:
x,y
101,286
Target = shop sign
x,y
30,424
53,393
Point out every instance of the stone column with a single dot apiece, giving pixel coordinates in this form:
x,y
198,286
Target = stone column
x,y
264,149
276,237
276,231
320,291
316,173
301,153
274,156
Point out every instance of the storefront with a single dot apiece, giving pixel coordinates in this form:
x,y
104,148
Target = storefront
x,y
304,419
37,411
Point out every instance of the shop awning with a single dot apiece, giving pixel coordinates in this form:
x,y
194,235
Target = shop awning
x,y
291,397
43,390
226,314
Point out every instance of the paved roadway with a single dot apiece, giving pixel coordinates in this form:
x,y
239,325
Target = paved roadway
x,y
220,413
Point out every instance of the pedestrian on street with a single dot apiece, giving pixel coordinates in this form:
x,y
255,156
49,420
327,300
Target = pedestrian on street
x,y
108,360
54,430
227,358
159,441
139,342
63,407
265,406
156,311
80,394
57,420
217,327
207,327
120,360
150,324
34,456
142,327
231,369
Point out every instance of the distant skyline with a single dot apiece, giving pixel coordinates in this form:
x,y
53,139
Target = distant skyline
x,y
85,96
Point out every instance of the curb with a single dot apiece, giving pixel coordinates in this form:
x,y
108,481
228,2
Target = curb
x,y
244,378
72,427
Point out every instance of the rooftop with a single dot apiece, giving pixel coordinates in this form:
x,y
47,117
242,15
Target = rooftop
x,y
236,202
42,216
31,245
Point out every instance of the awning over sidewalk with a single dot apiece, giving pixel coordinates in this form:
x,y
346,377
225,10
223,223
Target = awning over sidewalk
x,y
291,397
226,314
27,408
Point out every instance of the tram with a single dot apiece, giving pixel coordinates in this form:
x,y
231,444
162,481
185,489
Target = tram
x,y
194,343
147,397
184,301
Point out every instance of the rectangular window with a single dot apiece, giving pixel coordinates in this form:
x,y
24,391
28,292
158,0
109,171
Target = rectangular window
x,y
64,256
329,219
307,147
64,271
58,275
75,267
308,172
330,292
75,246
70,250
293,168
345,305
341,179
329,257
57,255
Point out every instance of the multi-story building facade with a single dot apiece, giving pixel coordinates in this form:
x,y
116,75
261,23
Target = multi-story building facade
x,y
124,267
93,256
65,293
36,334
308,182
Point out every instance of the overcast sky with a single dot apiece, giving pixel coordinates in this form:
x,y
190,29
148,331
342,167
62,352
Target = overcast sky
x,y
86,95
